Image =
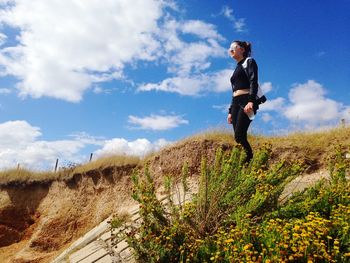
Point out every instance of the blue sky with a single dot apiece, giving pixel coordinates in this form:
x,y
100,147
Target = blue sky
x,y
128,77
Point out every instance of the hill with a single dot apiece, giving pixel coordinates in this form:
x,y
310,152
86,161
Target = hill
x,y
42,213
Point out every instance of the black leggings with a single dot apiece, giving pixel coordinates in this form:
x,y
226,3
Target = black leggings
x,y
241,122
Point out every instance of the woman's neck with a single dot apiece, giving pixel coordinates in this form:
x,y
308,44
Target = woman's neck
x,y
239,59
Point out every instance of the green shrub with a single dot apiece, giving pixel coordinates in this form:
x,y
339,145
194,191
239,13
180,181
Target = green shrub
x,y
235,216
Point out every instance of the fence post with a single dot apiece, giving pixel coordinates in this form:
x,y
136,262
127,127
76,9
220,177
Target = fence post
x,y
56,165
343,123
90,157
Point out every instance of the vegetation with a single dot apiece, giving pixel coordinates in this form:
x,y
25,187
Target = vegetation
x,y
236,217
101,163
301,145
25,176
20,175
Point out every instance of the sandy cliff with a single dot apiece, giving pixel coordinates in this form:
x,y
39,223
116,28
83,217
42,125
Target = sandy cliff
x,y
39,220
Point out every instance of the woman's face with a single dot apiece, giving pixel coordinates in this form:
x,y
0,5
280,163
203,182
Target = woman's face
x,y
236,51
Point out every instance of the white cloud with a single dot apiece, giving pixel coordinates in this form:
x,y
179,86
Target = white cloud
x,y
3,39
20,143
187,57
200,29
193,85
266,87
5,91
310,108
223,108
266,117
66,47
219,81
227,12
273,105
309,104
139,147
182,85
17,132
307,107
238,23
63,47
157,122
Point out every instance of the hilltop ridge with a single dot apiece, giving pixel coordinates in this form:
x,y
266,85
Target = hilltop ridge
x,y
40,218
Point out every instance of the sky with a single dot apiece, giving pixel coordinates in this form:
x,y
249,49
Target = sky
x,y
129,77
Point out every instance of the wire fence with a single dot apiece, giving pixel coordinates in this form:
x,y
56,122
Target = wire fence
x,y
65,164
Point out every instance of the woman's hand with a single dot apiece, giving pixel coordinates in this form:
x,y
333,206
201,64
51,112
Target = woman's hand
x,y
249,107
229,118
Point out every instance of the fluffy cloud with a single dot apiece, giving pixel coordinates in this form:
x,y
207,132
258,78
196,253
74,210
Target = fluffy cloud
x,y
17,132
273,105
267,117
238,23
193,85
63,47
157,122
200,29
187,57
20,144
139,147
5,91
3,38
266,87
309,106
223,108
306,107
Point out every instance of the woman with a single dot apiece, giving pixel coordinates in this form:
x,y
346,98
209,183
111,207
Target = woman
x,y
244,82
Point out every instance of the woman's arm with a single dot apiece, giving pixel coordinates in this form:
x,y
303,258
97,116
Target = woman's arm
x,y
252,73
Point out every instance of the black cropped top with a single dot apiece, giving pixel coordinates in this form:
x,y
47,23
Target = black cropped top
x,y
245,76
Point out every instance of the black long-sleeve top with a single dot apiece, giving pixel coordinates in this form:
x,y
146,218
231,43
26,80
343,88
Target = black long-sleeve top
x,y
245,76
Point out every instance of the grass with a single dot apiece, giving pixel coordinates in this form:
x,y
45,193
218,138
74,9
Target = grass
x,y
23,176
302,145
101,163
319,140
312,147
215,134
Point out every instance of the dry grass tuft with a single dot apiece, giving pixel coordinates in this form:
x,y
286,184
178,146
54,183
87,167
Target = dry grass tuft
x,y
101,163
215,134
24,176
320,141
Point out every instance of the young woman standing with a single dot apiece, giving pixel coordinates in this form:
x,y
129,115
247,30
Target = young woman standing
x,y
244,82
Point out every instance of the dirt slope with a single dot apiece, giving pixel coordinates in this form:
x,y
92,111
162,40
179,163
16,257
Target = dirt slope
x,y
38,221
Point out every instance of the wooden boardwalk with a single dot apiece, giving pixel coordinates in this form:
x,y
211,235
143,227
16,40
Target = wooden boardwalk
x,y
97,245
